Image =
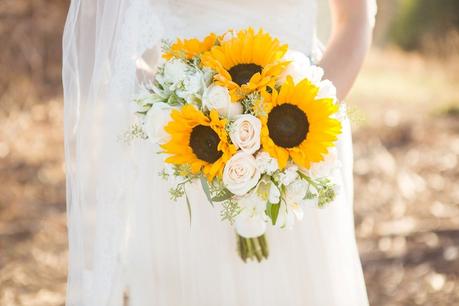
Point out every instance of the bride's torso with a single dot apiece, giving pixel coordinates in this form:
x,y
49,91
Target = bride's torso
x,y
292,21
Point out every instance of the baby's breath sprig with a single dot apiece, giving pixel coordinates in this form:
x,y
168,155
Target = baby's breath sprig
x,y
164,175
325,190
183,172
166,45
355,115
177,192
134,132
251,104
230,210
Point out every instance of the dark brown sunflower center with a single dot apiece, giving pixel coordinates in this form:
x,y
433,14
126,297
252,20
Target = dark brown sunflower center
x,y
242,73
204,143
288,125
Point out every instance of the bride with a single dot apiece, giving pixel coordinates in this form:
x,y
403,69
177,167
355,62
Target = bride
x,y
128,243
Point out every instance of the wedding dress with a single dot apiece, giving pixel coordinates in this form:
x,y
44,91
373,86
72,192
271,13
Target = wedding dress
x,y
128,243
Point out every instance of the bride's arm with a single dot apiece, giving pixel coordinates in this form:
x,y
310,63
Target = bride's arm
x,y
349,42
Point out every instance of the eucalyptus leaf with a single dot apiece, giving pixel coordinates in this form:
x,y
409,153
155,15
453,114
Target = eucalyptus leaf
x,y
274,212
268,210
188,204
225,195
205,187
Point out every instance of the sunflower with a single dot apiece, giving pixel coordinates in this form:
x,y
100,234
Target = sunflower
x,y
198,140
246,62
297,125
189,48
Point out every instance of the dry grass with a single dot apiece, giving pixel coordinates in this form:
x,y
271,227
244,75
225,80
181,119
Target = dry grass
x,y
406,169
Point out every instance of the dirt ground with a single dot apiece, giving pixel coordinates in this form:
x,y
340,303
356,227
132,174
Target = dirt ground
x,y
405,111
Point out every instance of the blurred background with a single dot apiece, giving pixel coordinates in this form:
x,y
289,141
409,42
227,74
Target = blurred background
x,y
405,113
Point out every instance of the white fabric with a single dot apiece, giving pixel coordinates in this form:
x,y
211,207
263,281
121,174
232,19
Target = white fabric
x,y
126,238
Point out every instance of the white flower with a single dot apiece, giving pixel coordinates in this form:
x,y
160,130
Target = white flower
x,y
218,98
175,71
241,173
266,163
295,192
326,167
250,226
245,133
252,204
191,85
300,68
288,214
326,90
155,121
288,175
274,194
251,222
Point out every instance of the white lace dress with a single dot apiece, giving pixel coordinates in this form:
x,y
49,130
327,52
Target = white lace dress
x,y
126,237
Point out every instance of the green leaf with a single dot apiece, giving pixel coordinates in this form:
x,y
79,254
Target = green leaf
x,y
205,187
274,212
223,196
188,204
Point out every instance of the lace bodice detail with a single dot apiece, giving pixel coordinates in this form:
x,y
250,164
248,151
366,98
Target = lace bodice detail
x,y
292,21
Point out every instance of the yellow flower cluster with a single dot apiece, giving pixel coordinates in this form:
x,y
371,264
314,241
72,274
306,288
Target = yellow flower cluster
x,y
296,124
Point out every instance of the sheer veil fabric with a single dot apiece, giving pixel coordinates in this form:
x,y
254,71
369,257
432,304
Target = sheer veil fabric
x,y
128,243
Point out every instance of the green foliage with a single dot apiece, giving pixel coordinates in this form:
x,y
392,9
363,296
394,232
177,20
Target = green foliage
x,y
272,211
230,210
253,248
417,20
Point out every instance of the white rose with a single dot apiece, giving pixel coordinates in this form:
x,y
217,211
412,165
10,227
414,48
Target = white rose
x,y
266,163
288,175
245,133
155,121
300,68
241,173
218,98
175,71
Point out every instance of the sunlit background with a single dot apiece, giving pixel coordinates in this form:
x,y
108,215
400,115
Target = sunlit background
x,y
405,113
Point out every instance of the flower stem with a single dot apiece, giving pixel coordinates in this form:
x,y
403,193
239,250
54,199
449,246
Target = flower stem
x,y
253,248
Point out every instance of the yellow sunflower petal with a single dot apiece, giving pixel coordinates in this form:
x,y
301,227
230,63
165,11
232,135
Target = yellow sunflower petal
x,y
246,47
323,129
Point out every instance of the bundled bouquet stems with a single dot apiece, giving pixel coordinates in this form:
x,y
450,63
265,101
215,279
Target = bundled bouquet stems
x,y
253,248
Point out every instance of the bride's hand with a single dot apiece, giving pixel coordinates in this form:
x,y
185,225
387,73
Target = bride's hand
x,y
350,40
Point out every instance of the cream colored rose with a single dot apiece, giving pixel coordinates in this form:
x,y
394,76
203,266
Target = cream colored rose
x,y
300,68
218,98
155,121
245,133
241,173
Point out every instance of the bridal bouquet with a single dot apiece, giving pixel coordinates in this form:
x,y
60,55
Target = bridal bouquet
x,y
252,121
